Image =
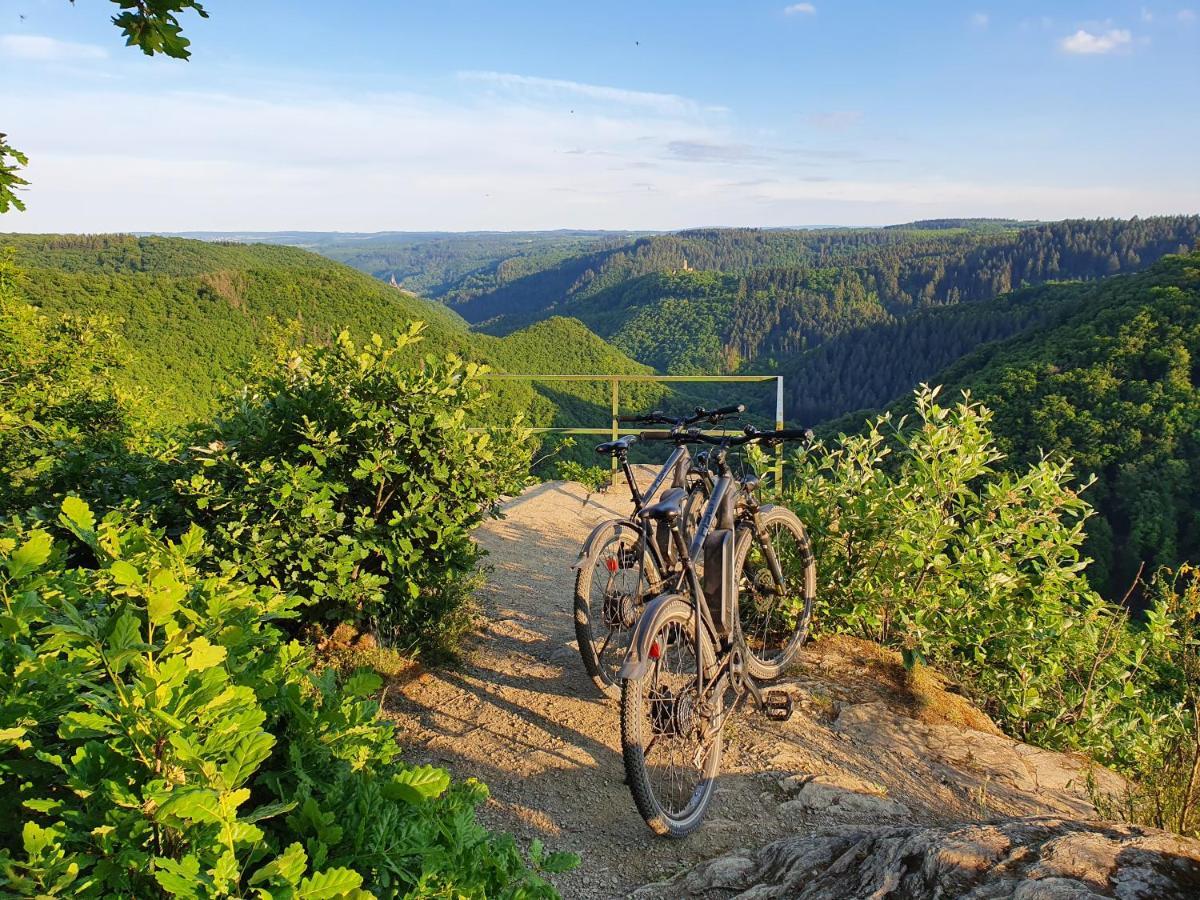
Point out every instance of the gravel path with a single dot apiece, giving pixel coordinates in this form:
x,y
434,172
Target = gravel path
x,y
522,715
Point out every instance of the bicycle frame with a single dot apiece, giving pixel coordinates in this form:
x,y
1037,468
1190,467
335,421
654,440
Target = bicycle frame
x,y
677,467
722,509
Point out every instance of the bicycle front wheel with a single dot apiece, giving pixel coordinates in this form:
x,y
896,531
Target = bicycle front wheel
x,y
774,615
670,733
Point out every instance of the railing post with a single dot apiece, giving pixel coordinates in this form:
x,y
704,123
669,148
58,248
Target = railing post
x,y
616,431
779,446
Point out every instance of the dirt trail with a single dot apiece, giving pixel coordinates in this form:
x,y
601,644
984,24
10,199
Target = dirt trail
x,y
522,715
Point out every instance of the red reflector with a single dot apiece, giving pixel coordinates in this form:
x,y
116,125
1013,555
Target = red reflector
x,y
655,650
611,564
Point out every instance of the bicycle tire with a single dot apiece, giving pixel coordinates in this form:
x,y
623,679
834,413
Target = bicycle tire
x,y
750,603
638,701
601,665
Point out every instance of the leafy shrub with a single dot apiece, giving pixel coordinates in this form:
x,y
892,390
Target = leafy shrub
x,y
594,478
159,737
63,426
923,545
350,478
1166,788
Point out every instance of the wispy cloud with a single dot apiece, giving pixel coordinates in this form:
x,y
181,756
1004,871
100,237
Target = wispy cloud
x,y
1187,16
527,85
707,151
980,19
37,48
1086,43
836,120
800,9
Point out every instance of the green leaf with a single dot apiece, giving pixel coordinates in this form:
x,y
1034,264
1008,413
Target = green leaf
x,y
77,516
164,596
124,573
288,866
268,811
13,736
81,724
251,752
179,879
363,683
196,805
560,862
29,556
329,884
35,838
417,784
204,655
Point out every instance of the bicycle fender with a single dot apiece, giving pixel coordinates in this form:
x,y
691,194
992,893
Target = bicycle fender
x,y
637,659
601,529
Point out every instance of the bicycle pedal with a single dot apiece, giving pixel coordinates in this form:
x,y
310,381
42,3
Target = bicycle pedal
x,y
777,705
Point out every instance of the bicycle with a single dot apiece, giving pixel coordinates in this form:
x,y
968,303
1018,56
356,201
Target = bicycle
x,y
742,620
624,561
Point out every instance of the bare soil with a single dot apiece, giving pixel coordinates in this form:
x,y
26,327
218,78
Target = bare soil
x,y
521,714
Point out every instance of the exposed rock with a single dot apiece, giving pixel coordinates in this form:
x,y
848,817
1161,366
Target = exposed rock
x,y
837,794
1040,858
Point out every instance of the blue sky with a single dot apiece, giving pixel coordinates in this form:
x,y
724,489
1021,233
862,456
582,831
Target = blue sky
x,y
369,116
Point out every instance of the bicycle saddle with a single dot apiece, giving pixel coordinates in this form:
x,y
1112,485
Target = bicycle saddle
x,y
620,445
669,508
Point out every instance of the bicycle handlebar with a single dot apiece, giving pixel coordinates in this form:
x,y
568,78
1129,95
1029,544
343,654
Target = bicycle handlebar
x,y
701,415
727,440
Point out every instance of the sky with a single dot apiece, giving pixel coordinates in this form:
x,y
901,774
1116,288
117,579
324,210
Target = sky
x,y
370,115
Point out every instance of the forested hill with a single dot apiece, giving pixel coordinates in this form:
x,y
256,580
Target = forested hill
x,y
195,316
717,300
195,313
1110,376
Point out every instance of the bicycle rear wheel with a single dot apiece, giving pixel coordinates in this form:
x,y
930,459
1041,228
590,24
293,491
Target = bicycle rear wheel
x,y
670,742
774,617
612,585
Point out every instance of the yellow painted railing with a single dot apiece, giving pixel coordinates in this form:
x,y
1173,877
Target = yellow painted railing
x,y
614,430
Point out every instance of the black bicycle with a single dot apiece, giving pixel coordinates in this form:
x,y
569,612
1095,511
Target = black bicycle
x,y
712,632
624,561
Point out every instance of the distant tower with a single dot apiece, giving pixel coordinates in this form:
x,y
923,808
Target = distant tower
x,y
686,267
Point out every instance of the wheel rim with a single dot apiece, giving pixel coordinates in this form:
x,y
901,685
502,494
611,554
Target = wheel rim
x,y
616,597
774,619
676,753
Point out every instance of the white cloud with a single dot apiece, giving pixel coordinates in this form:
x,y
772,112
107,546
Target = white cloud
x,y
37,48
805,9
484,159
836,120
980,19
532,86
1147,14
1084,42
1187,16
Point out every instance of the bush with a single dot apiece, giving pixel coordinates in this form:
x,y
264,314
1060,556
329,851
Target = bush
x,y
63,426
351,479
923,545
159,737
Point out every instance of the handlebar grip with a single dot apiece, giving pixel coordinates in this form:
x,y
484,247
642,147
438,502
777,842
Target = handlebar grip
x,y
656,436
792,434
734,410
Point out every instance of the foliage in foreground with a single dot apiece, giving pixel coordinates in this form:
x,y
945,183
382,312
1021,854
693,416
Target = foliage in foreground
x,y
923,544
349,478
158,736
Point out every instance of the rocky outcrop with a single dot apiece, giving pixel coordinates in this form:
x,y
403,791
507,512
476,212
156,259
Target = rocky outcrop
x,y
1039,858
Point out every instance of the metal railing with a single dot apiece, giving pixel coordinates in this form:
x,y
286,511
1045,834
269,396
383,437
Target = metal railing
x,y
615,430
